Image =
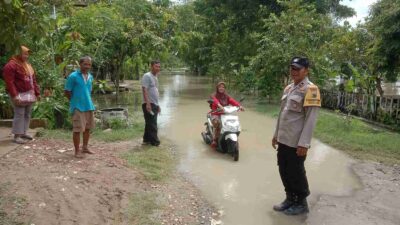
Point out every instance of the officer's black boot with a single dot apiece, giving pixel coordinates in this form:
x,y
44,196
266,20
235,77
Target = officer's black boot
x,y
289,201
300,206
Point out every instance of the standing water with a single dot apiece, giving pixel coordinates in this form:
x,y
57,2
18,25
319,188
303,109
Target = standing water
x,y
243,191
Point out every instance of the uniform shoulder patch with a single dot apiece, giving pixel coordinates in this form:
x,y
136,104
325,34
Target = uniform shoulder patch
x,y
313,97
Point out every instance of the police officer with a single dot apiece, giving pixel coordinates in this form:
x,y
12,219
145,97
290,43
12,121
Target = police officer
x,y
300,104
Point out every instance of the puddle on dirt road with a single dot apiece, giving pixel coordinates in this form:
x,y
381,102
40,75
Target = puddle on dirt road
x,y
244,191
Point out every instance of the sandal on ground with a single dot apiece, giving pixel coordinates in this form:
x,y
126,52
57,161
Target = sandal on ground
x,y
27,136
19,140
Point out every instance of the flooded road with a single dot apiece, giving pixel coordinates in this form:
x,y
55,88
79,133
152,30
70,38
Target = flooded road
x,y
244,191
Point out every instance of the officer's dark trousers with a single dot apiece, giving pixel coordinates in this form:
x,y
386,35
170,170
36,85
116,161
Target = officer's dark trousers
x,y
150,129
292,171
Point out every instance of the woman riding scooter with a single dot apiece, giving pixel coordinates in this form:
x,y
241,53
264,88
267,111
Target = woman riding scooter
x,y
220,99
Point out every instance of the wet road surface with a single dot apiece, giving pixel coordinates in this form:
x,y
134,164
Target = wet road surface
x,y
244,191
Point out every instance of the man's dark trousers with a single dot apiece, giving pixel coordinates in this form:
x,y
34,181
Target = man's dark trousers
x,y
150,129
292,172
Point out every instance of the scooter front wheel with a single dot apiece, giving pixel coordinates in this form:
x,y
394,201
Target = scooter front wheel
x,y
236,152
233,149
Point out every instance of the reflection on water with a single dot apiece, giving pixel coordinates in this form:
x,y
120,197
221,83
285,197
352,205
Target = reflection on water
x,y
170,88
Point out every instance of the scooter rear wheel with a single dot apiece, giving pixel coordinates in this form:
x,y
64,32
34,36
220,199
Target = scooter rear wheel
x,y
206,138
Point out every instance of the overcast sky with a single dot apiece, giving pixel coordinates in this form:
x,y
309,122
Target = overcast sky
x,y
361,7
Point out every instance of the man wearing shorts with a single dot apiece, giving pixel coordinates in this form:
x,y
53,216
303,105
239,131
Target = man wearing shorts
x,y
78,90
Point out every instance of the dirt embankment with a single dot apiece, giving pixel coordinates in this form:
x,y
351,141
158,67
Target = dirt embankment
x,y
377,202
41,183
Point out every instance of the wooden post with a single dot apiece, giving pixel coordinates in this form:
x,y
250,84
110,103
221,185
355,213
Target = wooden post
x,y
391,106
362,103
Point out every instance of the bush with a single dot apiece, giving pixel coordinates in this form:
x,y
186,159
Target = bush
x,y
384,117
101,87
115,124
6,110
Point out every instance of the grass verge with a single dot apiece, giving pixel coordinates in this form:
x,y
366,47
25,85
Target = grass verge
x,y
358,138
155,163
142,207
121,134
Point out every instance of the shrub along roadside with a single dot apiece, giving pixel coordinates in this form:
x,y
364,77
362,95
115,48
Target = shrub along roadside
x,y
357,138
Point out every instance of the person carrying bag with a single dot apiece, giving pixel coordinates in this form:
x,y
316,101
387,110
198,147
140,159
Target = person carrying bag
x,y
21,85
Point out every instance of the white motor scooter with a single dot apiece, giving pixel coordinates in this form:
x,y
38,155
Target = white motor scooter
x,y
228,141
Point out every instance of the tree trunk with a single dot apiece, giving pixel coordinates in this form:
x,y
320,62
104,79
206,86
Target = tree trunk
x,y
137,72
379,86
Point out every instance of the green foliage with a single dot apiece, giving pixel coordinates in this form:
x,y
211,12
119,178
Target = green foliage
x,y
385,118
6,110
116,123
54,109
299,30
121,37
101,86
251,42
271,110
22,21
384,24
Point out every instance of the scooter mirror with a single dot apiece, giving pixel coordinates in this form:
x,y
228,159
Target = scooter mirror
x,y
210,101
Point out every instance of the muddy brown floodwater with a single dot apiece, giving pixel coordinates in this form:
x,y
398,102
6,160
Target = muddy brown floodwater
x,y
243,191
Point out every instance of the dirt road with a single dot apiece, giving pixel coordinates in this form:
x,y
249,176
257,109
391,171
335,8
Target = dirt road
x,y
41,183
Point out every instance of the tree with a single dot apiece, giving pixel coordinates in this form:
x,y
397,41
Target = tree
x,y
298,31
384,24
